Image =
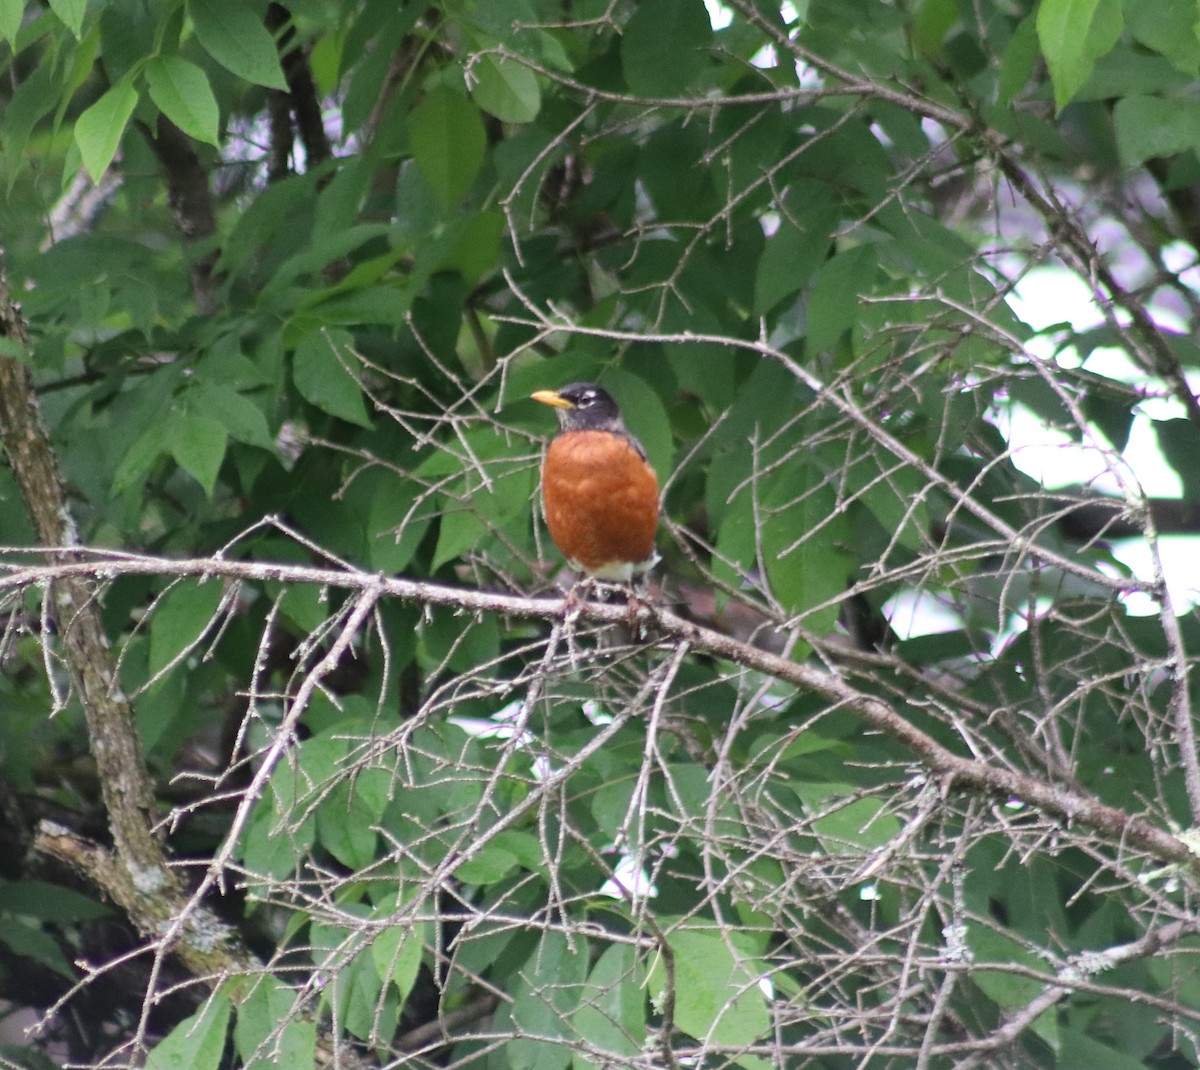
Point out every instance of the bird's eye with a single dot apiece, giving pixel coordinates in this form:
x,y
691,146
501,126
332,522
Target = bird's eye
x,y
587,397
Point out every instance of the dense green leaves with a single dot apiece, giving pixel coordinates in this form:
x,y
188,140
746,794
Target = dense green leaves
x,y
279,325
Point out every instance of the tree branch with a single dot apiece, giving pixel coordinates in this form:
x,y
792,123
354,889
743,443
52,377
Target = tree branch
x,y
302,90
128,794
956,771
190,200
140,879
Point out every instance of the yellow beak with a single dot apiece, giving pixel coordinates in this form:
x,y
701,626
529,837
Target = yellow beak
x,y
551,397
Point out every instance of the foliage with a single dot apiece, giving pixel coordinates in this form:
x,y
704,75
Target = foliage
x,y
290,276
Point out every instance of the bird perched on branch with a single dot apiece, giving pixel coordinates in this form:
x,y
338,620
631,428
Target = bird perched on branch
x,y
599,492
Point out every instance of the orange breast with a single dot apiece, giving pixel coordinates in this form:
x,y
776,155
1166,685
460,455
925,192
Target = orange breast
x,y
601,501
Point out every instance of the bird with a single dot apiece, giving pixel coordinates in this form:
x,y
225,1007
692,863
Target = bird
x,y
599,492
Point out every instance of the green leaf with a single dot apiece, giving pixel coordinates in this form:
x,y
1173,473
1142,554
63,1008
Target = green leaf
x,y
458,531
98,130
273,846
322,372
1179,441
1111,413
799,246
342,830
397,955
487,865
198,446
1081,1050
397,951
71,12
446,643
236,38
1128,72
128,34
305,606
394,519
180,619
476,246
196,1043
241,418
545,994
259,1016
804,538
1148,127
1073,35
350,807
934,19
49,902
1169,28
610,1012
29,941
35,96
491,495
862,824
717,998
183,95
836,295
472,511
897,501
448,143
140,459
11,13
11,349
506,89
348,816
664,47
356,988
1010,990
1017,63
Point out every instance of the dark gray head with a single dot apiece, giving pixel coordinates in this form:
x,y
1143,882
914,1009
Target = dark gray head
x,y
583,407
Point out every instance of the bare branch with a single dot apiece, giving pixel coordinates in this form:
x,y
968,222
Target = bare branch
x,y
959,773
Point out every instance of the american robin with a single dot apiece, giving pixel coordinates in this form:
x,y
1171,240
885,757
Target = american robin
x,y
599,491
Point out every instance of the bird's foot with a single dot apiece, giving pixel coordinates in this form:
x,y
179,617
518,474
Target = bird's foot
x,y
639,603
640,612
